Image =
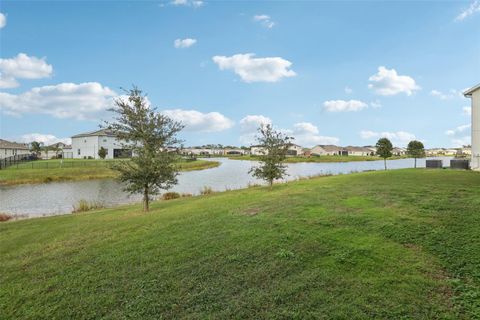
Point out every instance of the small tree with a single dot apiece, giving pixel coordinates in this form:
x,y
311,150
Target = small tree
x,y
148,134
384,149
36,147
102,153
416,150
274,150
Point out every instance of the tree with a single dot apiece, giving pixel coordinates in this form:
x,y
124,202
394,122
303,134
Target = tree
x,y
384,149
416,150
275,146
102,153
36,147
149,135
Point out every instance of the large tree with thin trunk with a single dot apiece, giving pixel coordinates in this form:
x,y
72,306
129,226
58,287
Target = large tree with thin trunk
x,y
149,135
384,149
415,149
274,146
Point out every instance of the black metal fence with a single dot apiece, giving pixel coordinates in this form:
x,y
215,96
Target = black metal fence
x,y
16,160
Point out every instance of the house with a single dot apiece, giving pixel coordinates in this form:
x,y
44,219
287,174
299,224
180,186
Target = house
x,y
327,150
399,151
294,150
234,152
196,151
86,145
10,149
358,151
257,150
307,152
474,94
55,150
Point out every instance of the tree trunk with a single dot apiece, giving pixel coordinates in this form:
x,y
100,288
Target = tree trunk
x,y
415,163
271,184
385,162
145,200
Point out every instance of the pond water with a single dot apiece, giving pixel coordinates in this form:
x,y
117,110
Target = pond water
x,y
60,197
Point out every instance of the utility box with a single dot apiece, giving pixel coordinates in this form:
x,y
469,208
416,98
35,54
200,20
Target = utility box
x,y
460,164
435,164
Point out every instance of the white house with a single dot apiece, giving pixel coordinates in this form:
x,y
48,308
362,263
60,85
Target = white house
x,y
295,150
358,151
10,149
257,150
327,150
55,150
474,94
86,145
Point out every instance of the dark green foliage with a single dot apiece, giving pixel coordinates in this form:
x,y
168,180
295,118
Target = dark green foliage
x,y
384,149
36,147
102,153
275,146
415,149
171,195
150,135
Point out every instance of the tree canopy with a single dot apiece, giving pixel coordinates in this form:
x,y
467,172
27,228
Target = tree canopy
x,y
416,150
384,149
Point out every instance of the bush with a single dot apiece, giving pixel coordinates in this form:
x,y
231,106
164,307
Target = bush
x,y
5,217
186,195
171,195
206,190
84,205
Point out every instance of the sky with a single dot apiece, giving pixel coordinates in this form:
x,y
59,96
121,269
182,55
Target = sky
x,y
324,72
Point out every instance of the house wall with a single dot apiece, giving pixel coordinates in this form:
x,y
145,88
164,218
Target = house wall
x,y
89,146
475,162
10,152
257,151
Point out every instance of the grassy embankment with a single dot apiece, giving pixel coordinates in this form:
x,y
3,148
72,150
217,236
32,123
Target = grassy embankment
x,y
322,158
400,244
52,170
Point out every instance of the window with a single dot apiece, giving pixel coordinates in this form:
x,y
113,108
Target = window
x,y
78,151
85,140
104,140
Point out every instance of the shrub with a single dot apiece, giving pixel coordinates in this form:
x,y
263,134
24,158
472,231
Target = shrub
x,y
171,195
84,205
206,190
185,195
5,217
47,179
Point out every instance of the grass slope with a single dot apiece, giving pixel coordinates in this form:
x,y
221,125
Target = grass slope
x,y
322,158
75,170
387,245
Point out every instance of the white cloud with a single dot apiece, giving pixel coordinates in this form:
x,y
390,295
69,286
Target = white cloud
x,y
65,100
342,105
467,111
458,130
22,67
462,141
472,9
452,93
265,20
198,121
188,3
376,104
3,20
348,90
252,69
184,43
400,138
307,134
46,139
249,126
387,82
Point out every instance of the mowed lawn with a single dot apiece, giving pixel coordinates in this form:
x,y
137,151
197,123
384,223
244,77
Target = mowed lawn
x,y
43,171
401,244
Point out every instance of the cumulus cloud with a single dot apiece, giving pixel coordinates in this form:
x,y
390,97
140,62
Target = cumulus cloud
x,y
22,67
342,105
452,93
65,100
188,3
467,111
387,82
458,130
472,9
3,20
46,139
305,128
398,138
264,20
198,121
251,69
249,126
460,136
307,134
184,43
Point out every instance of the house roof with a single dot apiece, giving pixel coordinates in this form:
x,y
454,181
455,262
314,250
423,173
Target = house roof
x,y
101,132
329,147
468,93
360,149
4,144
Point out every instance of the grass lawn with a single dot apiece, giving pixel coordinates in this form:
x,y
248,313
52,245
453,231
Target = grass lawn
x,y
400,244
72,169
322,158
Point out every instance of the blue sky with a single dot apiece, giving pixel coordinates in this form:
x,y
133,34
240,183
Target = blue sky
x,y
325,72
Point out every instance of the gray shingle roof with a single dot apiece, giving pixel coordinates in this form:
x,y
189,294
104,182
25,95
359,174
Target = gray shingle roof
x,y
4,144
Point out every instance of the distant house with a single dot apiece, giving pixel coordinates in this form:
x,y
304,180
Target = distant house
x,y
399,151
202,151
10,149
294,150
327,150
307,152
358,151
58,149
257,150
234,151
86,145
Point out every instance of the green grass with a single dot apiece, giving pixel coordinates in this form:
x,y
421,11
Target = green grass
x,y
297,159
52,170
400,244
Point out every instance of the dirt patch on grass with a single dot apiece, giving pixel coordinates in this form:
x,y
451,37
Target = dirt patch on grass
x,y
250,211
